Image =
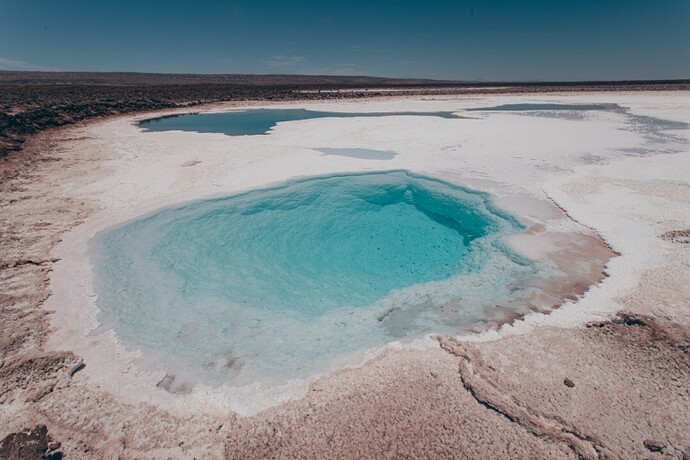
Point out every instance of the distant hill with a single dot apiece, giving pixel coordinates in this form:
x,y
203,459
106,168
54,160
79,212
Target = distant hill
x,y
11,77
158,79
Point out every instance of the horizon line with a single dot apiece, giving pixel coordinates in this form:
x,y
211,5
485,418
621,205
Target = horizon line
x,y
330,76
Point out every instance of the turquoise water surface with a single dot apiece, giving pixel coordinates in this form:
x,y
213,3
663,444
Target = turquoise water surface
x,y
257,121
277,283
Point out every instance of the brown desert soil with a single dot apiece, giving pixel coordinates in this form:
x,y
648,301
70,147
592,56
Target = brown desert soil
x,y
613,389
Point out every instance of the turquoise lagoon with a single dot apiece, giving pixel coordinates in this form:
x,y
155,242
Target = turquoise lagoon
x,y
254,122
283,282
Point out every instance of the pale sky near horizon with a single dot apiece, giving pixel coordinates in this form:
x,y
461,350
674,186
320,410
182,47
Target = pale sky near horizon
x,y
485,40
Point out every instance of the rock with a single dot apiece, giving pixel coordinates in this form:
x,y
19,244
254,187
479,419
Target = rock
x,y
677,236
29,445
653,445
569,383
54,445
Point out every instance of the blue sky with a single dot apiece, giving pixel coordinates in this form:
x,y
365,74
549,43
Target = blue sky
x,y
488,40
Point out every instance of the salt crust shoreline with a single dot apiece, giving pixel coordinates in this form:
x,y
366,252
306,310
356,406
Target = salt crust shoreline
x,y
128,184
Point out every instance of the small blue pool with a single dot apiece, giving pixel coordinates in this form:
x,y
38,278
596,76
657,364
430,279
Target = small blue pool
x,y
253,122
279,282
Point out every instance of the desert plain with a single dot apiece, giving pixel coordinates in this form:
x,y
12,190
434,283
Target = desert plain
x,y
596,366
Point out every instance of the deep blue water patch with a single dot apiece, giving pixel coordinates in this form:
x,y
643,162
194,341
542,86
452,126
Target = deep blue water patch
x,y
277,283
257,121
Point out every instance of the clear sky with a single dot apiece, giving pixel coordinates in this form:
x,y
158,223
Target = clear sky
x,y
489,40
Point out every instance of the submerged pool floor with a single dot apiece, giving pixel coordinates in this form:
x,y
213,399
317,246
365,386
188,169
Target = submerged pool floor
x,y
278,283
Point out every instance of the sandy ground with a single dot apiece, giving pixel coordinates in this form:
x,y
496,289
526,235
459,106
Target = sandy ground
x,y
606,375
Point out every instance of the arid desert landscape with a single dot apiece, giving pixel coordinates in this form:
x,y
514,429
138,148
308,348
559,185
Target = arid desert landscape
x,y
587,358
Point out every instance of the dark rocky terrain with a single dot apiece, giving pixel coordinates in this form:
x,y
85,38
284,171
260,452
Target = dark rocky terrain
x,y
31,102
30,444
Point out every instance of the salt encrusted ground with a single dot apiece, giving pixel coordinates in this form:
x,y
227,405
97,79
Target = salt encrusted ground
x,y
570,383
